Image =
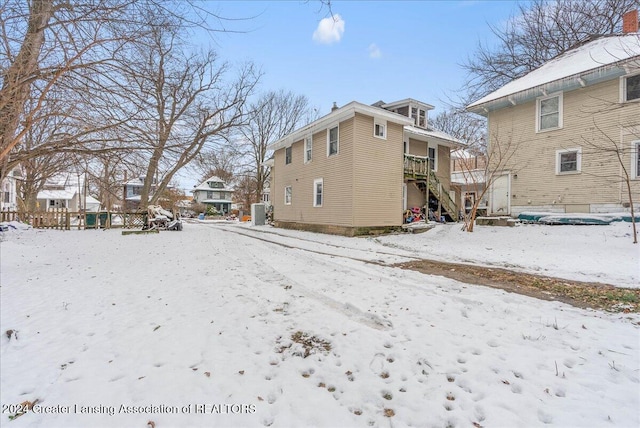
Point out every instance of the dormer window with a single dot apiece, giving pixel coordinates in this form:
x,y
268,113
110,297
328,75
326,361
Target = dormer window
x,y
419,116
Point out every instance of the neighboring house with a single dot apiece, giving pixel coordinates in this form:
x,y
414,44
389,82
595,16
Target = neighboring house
x,y
356,170
133,190
266,189
9,192
66,191
562,121
214,192
468,177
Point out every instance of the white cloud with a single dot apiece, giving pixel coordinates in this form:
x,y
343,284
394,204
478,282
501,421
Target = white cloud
x,y
330,30
374,51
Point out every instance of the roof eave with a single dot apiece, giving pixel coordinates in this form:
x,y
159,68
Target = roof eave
x,y
343,113
568,83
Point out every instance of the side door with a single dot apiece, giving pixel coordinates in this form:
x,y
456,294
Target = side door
x,y
500,192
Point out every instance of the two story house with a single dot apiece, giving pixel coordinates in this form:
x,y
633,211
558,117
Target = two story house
x,y
359,168
214,192
564,137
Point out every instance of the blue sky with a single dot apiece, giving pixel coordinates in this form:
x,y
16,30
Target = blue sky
x,y
387,50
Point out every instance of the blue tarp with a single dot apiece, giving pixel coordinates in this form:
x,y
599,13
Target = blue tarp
x,y
575,218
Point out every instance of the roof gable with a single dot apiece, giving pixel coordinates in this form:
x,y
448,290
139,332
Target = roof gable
x,y
593,62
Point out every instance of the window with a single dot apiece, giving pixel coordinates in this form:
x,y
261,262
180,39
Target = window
x,y
419,117
287,155
549,113
380,129
332,141
6,198
631,88
432,158
422,118
209,195
308,149
406,147
287,195
317,192
568,161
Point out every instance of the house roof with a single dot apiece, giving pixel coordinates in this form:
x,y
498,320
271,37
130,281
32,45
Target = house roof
x,y
590,63
56,194
138,181
204,187
406,101
343,113
90,200
441,137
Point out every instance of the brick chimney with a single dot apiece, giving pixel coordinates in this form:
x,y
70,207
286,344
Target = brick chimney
x,y
630,22
334,107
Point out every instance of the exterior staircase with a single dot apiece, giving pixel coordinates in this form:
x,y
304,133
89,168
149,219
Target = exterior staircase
x,y
417,168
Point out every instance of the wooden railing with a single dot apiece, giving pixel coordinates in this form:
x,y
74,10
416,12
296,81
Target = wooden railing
x,y
419,168
416,166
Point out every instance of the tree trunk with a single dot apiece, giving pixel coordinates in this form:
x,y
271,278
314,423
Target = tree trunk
x,y
17,82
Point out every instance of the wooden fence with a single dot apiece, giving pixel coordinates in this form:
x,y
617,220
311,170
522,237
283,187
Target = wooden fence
x,y
63,219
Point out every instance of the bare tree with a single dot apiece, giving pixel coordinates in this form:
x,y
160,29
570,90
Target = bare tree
x,y
466,127
539,31
609,151
273,115
481,166
35,167
180,101
55,46
59,39
219,162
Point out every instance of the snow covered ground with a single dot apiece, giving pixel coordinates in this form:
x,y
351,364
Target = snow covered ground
x,y
231,325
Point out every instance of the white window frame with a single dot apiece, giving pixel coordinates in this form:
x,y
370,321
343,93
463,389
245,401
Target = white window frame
x,y
337,127
288,195
635,160
406,147
419,114
623,89
288,155
559,153
308,149
315,192
380,125
539,101
435,156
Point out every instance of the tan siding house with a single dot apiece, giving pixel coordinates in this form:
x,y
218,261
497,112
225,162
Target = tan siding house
x,y
565,125
345,172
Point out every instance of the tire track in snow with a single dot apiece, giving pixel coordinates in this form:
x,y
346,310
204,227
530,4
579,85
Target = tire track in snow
x,y
273,276
401,258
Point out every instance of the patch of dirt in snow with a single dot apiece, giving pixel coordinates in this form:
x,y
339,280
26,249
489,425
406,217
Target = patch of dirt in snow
x,y
580,294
